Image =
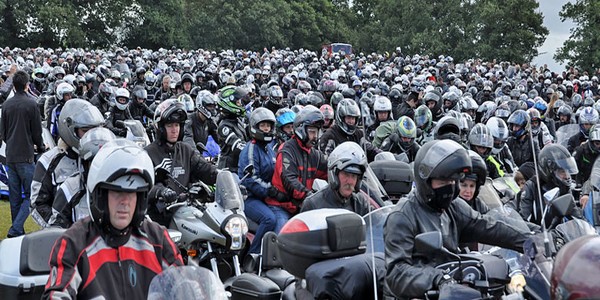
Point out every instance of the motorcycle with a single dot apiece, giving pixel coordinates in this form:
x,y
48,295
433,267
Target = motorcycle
x,y
212,224
565,132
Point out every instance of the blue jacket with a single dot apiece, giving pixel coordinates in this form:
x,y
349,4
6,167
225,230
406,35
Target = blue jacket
x,y
263,159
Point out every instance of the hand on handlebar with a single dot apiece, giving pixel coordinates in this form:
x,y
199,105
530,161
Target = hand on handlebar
x,y
517,283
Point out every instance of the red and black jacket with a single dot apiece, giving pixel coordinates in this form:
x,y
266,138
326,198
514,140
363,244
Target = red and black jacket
x,y
84,266
296,168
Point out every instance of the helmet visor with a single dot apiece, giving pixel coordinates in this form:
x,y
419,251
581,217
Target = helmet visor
x,y
567,166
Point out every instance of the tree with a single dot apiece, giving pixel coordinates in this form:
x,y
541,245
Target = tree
x,y
581,48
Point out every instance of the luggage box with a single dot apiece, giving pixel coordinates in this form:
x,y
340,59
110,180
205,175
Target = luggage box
x,y
24,264
250,286
318,235
395,176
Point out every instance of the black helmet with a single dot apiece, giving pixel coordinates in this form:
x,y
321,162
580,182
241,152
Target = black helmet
x,y
478,171
395,95
447,128
347,107
336,98
308,116
257,116
557,165
349,93
443,159
169,111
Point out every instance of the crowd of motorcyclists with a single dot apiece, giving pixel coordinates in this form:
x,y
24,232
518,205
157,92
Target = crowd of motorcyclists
x,y
298,115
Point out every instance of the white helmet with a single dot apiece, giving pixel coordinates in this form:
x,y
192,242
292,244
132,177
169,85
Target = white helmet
x,y
122,93
62,89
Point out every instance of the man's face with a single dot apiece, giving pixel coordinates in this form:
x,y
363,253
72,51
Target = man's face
x,y
350,120
313,134
187,86
347,183
165,83
121,208
431,104
382,115
172,132
438,183
288,129
82,131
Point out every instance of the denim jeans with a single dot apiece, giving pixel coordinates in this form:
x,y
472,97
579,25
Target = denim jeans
x,y
259,212
19,180
281,217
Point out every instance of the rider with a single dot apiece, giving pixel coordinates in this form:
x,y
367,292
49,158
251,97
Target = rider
x,y
587,118
298,164
102,100
70,203
284,126
64,93
138,109
119,112
347,117
519,142
586,154
231,130
115,253
472,183
556,167
260,154
178,158
201,124
403,139
438,167
500,150
345,168
482,143
60,162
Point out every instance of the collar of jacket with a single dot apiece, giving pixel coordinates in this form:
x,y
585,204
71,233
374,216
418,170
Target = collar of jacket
x,y
301,145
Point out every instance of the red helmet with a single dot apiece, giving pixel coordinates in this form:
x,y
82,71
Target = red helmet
x,y
577,269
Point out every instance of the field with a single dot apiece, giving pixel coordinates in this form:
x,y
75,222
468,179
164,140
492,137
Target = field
x,y
5,220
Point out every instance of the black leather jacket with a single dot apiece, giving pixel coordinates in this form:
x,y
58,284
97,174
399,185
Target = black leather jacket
x,y
334,136
410,273
328,198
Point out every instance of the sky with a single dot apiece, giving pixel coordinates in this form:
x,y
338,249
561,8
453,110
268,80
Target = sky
x,y
558,33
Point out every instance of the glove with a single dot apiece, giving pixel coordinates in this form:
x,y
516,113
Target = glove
x,y
277,195
168,196
517,283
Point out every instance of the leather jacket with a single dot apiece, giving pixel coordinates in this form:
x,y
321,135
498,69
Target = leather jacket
x,y
329,198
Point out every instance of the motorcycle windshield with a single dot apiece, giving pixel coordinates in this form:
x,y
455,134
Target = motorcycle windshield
x,y
374,229
488,194
573,229
228,194
136,127
565,132
375,189
595,176
186,282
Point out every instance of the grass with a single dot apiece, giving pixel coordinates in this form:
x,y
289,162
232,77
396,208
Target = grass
x,y
6,220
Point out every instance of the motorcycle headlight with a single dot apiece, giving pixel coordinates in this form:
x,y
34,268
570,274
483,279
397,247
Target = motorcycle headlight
x,y
235,229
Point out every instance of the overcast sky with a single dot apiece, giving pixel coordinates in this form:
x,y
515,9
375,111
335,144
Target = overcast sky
x,y
558,33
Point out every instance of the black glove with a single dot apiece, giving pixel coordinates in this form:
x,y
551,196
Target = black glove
x,y
395,138
168,196
277,195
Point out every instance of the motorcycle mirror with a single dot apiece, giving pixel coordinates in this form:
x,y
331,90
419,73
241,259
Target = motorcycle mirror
x,y
428,242
162,174
551,194
563,205
201,147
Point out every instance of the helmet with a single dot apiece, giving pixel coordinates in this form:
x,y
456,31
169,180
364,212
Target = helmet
x,y
499,132
348,157
535,116
105,90
347,108
542,106
328,86
77,113
520,118
439,159
284,116
140,93
62,89
257,116
275,94
481,136
205,99
594,136
94,139
423,117
315,99
130,170
406,129
122,93
336,98
304,86
574,266
447,128
395,95
230,100
556,165
587,116
308,116
486,110
349,93
169,111
502,111
478,171
577,100
187,102
564,110
382,104
452,97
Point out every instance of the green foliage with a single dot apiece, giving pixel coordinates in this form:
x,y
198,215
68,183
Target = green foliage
x,y
581,49
505,30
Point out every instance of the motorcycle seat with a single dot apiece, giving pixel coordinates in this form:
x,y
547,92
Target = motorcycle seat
x,y
35,251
